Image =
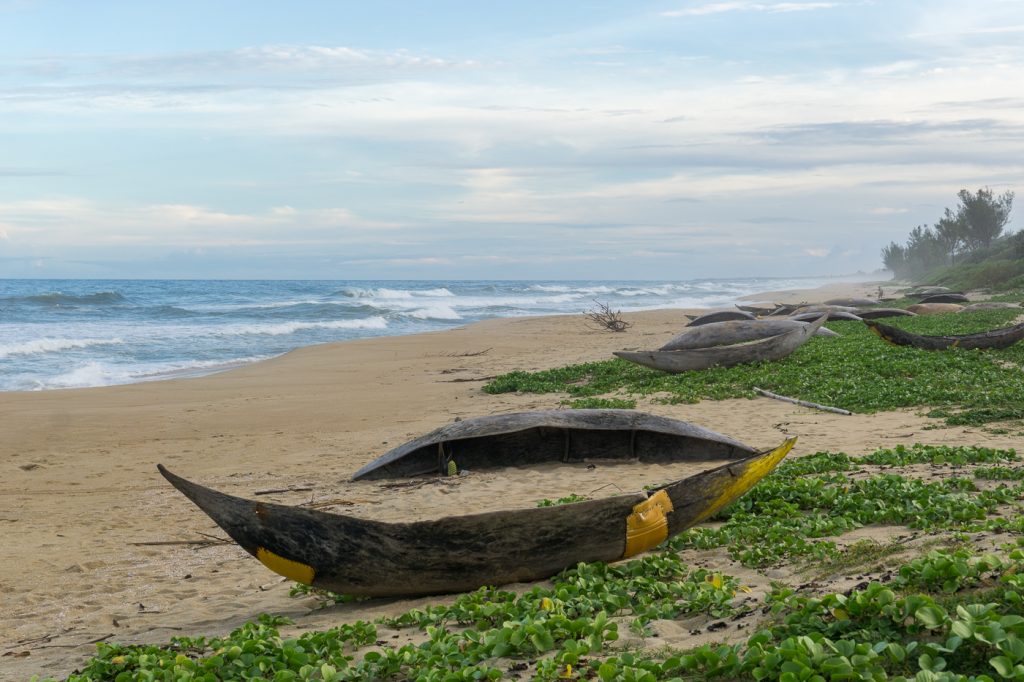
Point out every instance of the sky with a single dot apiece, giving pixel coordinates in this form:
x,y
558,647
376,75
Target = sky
x,y
495,140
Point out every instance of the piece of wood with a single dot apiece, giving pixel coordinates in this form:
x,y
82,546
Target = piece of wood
x,y
273,491
804,403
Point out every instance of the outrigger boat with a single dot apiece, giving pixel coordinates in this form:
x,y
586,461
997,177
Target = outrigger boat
x,y
358,556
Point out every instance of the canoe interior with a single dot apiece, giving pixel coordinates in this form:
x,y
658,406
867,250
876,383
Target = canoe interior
x,y
552,444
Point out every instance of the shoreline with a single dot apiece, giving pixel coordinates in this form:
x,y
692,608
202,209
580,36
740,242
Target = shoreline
x,y
82,487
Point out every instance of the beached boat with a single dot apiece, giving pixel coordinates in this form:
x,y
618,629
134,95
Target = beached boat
x,y
759,309
719,316
526,438
736,331
994,339
945,298
878,313
772,348
358,556
833,316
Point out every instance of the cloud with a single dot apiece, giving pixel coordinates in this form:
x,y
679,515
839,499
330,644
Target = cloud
x,y
818,253
743,6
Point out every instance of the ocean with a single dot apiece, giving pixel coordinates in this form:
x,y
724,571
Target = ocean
x,y
76,333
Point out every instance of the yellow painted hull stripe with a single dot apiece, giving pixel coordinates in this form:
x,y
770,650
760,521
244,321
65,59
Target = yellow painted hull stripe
x,y
748,478
293,570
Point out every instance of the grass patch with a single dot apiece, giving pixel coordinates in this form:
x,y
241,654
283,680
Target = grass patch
x,y
857,372
600,403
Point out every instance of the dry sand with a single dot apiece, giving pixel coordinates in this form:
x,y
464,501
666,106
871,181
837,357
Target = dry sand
x,y
80,496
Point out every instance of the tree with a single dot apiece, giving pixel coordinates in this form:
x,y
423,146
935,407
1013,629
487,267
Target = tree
x,y
894,257
951,233
983,215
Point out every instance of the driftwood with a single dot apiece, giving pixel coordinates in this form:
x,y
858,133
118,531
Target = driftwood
x,y
605,318
274,491
803,403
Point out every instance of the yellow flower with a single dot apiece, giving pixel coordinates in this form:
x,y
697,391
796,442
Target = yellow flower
x,y
547,604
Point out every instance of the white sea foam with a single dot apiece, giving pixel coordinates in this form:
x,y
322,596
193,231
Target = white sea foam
x,y
281,328
51,345
95,373
385,293
435,312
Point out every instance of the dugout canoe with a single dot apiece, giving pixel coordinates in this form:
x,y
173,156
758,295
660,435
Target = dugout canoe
x,y
852,302
736,331
759,309
993,339
772,348
879,313
934,308
945,298
833,316
526,438
720,316
363,557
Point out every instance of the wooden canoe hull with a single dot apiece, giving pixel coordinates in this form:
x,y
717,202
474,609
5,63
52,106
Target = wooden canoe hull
x,y
736,331
357,556
994,339
879,313
772,348
526,438
945,298
720,316
833,316
934,308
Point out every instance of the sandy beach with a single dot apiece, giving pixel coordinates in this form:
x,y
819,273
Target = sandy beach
x,y
89,526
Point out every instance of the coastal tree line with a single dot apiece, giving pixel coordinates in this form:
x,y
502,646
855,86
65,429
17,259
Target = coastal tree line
x,y
969,230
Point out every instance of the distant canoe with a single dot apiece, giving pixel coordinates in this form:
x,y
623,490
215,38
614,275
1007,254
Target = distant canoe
x,y
525,438
833,316
736,331
852,302
989,305
772,348
787,309
879,313
823,308
945,298
934,308
758,309
994,339
364,557
720,316
931,291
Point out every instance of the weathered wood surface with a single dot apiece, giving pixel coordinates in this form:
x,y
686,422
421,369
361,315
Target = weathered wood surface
x,y
802,403
833,316
879,313
736,331
772,348
759,309
945,298
934,308
524,438
852,302
823,308
993,339
720,316
459,553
